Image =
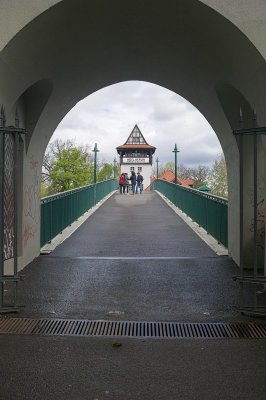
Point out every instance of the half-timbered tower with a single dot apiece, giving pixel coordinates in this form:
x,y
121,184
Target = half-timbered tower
x,y
136,155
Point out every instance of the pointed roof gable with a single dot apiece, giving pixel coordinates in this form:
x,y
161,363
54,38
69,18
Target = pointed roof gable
x,y
136,137
136,140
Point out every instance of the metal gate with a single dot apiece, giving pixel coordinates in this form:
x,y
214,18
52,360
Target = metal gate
x,y
9,146
252,282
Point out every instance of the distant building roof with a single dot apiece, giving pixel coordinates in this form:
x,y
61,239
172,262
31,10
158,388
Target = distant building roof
x,y
169,176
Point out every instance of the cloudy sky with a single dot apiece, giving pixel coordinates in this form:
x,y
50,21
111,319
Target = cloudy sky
x,y
108,116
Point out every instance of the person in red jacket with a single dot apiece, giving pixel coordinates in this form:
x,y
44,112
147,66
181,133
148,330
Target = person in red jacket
x,y
121,183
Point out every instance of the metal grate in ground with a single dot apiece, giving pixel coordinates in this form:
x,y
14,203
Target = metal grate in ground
x,y
131,329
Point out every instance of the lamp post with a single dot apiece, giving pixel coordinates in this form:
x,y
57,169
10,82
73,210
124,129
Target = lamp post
x,y
157,172
95,150
114,166
176,151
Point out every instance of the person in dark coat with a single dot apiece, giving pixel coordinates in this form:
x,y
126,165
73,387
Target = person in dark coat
x,y
133,180
139,183
126,183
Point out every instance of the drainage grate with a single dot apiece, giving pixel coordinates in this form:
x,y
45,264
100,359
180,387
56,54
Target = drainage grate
x,y
131,329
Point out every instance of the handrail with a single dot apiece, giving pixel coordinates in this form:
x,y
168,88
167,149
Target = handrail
x,y
208,210
61,209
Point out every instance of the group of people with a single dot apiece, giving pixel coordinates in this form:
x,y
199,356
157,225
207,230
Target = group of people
x,y
135,180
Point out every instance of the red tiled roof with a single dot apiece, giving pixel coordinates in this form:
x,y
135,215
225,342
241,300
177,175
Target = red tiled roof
x,y
185,182
136,146
169,176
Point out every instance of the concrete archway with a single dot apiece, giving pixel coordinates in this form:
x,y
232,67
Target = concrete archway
x,y
63,51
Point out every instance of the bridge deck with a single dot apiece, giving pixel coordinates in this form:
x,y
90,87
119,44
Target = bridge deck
x,y
133,259
118,266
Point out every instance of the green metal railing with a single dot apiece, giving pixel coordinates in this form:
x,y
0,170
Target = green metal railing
x,y
61,210
209,211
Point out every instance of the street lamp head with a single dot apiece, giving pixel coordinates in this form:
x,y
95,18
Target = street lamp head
x,y
175,149
95,150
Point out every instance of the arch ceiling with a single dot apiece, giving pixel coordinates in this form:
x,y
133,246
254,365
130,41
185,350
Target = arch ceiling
x,y
75,48
82,46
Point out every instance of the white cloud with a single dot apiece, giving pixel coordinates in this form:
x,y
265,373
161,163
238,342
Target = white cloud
x,y
108,116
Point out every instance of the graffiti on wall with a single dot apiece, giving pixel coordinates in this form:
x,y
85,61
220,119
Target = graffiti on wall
x,y
31,205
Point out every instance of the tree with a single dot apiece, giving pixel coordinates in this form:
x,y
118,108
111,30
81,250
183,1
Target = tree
x,y
106,171
168,166
66,166
184,172
199,175
44,190
70,170
218,177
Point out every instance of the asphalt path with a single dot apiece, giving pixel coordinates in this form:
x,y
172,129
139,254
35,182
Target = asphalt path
x,y
65,368
135,226
133,259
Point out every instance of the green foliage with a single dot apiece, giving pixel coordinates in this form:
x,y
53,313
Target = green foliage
x,y
66,166
69,170
169,165
106,171
218,177
44,190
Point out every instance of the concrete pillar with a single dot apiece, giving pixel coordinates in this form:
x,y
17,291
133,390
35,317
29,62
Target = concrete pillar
x,y
249,203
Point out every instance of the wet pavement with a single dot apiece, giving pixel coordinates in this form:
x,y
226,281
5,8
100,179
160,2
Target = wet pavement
x,y
168,290
133,259
136,257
